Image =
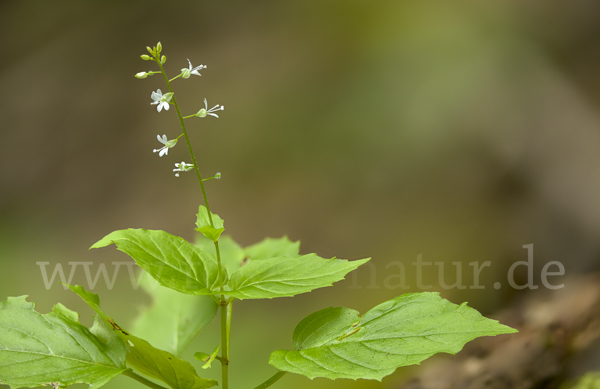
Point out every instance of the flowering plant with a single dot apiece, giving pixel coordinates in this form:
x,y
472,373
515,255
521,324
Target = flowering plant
x,y
209,276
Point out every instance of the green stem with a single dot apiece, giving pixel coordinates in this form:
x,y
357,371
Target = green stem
x,y
225,304
226,310
194,162
189,144
174,78
271,380
143,380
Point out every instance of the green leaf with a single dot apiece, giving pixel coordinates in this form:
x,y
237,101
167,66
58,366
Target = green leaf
x,y
54,349
159,364
205,227
169,259
207,358
176,373
271,248
338,343
174,319
232,255
281,277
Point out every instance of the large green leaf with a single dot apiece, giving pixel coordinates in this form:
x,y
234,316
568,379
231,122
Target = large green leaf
x,y
174,319
232,255
55,349
284,276
204,226
176,373
169,259
142,356
338,343
271,248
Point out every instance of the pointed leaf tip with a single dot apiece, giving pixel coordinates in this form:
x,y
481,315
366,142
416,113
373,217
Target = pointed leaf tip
x,y
288,276
338,343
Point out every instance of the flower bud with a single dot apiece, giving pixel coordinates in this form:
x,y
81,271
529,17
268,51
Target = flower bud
x,y
218,176
163,60
145,57
158,48
141,75
151,51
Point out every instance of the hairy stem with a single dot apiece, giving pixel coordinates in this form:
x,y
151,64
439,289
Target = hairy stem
x,y
225,305
196,168
189,144
226,310
271,380
143,380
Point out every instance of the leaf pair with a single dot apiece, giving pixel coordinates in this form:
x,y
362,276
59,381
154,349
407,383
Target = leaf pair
x,y
189,269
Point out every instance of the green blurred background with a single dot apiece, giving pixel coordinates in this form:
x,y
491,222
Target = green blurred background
x,y
457,130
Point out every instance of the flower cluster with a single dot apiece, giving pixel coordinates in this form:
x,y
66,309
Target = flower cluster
x,y
164,101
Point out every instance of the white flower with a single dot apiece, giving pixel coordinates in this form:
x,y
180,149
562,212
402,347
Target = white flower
x,y
218,176
161,100
205,111
167,145
182,167
186,73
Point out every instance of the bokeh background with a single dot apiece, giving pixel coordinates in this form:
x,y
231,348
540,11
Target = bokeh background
x,y
457,130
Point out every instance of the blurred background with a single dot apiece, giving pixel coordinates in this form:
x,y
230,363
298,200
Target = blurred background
x,y
459,131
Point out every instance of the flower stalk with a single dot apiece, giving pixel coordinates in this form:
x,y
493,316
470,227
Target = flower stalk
x,y
225,305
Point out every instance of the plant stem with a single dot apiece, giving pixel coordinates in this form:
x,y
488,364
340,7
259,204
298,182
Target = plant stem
x,y
143,380
196,168
189,144
226,306
271,380
226,310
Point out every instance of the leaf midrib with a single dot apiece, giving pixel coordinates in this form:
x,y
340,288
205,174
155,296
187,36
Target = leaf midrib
x,y
57,356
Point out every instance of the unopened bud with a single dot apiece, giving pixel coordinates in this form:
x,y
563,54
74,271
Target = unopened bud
x,y
163,59
158,48
145,57
151,51
141,75
218,176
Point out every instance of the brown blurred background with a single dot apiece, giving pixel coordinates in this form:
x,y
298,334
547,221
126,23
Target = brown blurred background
x,y
387,129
